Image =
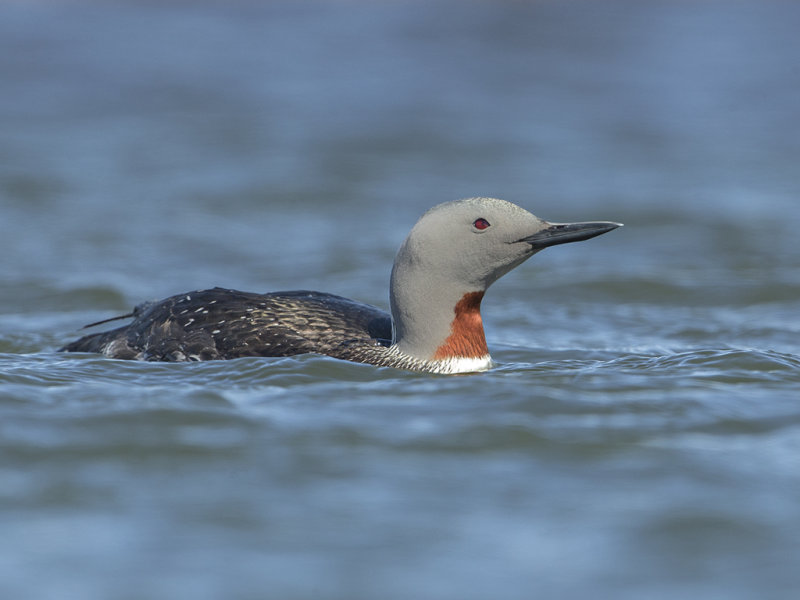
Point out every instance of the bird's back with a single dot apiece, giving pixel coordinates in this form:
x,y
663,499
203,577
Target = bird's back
x,y
221,324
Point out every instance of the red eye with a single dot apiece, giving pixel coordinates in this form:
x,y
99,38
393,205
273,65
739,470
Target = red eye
x,y
481,224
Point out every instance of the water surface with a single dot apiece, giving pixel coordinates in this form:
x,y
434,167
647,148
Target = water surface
x,y
640,435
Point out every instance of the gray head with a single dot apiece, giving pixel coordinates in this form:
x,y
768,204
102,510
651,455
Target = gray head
x,y
460,248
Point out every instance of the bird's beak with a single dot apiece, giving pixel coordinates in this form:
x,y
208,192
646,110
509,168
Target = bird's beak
x,y
563,233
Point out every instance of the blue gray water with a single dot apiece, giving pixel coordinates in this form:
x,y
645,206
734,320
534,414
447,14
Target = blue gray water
x,y
640,437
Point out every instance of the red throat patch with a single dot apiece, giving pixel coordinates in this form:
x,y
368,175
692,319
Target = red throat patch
x,y
466,339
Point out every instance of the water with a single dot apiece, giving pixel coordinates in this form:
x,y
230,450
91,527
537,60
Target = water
x,y
641,433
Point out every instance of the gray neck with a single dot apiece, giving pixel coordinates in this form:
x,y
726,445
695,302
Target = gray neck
x,y
423,306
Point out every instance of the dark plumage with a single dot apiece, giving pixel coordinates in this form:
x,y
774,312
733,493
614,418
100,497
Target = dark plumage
x,y
222,323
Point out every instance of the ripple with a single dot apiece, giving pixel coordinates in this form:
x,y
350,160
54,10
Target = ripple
x,y
570,402
726,364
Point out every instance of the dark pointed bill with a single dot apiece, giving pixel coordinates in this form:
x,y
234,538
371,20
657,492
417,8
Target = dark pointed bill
x,y
563,233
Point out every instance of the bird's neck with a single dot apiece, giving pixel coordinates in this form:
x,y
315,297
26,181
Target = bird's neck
x,y
438,321
466,339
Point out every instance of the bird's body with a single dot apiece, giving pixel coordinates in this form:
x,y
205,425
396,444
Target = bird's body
x,y
452,255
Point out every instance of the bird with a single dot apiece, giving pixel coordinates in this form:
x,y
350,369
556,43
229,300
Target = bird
x,y
451,256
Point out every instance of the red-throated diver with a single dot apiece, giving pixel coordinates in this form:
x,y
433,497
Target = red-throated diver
x,y
451,256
